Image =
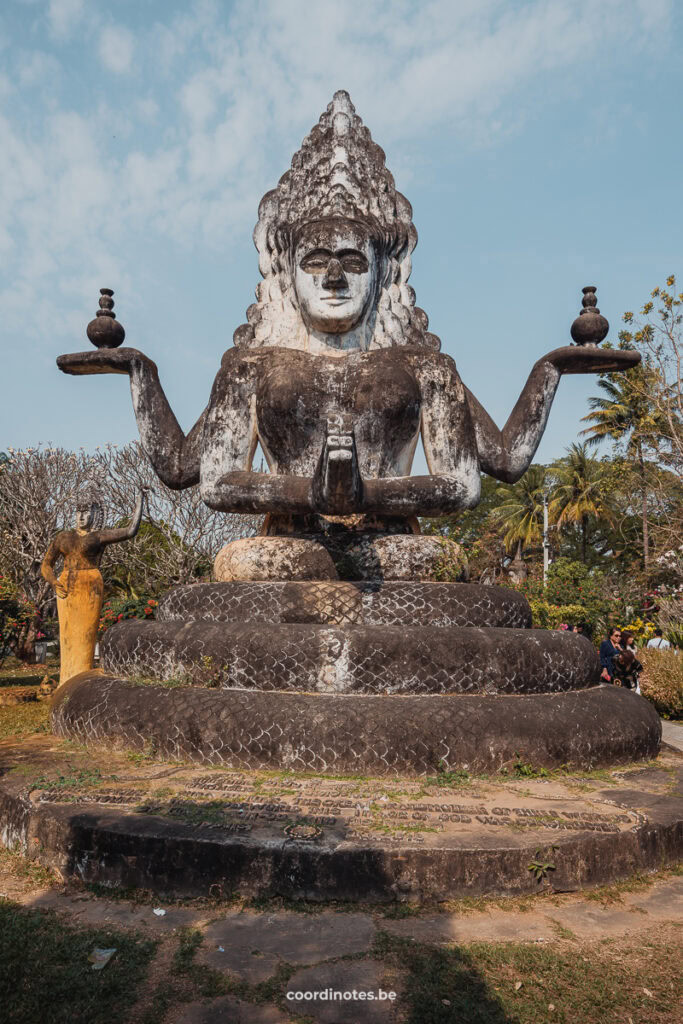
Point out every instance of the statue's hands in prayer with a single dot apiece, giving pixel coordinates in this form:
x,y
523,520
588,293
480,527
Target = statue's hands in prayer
x,y
337,484
104,360
591,359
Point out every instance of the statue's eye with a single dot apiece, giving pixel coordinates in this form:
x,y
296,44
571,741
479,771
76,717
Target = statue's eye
x,y
353,262
316,262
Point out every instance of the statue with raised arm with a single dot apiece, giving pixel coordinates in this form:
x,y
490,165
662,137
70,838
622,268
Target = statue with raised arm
x,y
335,373
341,637
79,588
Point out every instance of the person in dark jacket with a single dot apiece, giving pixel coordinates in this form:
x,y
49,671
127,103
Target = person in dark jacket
x,y
609,648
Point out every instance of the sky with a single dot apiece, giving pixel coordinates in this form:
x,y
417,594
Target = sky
x,y
539,142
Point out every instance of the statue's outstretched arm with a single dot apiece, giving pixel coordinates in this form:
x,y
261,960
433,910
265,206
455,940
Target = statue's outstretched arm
x,y
507,454
174,456
450,449
126,532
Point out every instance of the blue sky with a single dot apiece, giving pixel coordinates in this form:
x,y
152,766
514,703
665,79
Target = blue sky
x,y
539,143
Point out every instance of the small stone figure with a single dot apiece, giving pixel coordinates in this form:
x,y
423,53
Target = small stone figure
x,y
80,588
105,331
590,327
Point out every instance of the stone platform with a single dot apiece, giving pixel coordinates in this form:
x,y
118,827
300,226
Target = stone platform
x,y
382,735
183,830
377,676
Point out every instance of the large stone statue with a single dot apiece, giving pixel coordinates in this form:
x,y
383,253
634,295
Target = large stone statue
x,y
79,588
335,373
331,644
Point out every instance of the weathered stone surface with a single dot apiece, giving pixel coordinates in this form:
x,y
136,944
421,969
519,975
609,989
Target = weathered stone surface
x,y
353,659
352,733
254,944
373,604
337,377
335,371
226,832
404,557
228,1010
366,976
273,558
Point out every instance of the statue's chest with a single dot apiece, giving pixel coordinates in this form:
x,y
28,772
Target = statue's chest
x,y
297,392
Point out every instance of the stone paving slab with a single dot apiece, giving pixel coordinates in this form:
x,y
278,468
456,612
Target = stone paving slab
x,y
672,733
227,1010
87,910
346,977
585,919
251,945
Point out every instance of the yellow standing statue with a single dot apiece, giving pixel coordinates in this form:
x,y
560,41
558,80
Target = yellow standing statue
x,y
79,588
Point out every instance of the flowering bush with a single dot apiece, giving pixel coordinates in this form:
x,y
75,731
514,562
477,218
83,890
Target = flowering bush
x,y
642,631
662,681
120,608
16,615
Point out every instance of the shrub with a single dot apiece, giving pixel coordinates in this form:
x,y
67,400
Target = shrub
x,y
574,593
661,681
551,616
16,616
119,608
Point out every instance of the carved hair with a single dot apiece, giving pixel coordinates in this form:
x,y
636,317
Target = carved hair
x,y
338,172
89,499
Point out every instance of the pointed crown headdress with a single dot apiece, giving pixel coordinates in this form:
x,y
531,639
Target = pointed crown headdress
x,y
338,172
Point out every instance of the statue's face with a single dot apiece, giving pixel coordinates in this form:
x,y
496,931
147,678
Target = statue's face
x,y
84,518
335,275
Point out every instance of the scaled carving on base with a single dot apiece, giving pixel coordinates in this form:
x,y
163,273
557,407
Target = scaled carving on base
x,y
337,377
79,588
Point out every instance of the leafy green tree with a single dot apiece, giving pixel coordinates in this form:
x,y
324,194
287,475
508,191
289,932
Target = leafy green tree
x,y
520,512
625,414
579,494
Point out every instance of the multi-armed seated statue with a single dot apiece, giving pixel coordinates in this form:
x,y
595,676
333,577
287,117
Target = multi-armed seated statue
x,y
330,648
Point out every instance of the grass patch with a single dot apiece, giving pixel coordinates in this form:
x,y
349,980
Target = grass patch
x,y
45,974
477,982
14,672
17,866
20,720
74,777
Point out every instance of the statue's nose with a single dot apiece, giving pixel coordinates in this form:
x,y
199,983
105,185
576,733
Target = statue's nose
x,y
334,275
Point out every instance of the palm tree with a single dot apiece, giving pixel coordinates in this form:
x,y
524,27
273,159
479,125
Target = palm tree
x,y
579,492
521,511
626,415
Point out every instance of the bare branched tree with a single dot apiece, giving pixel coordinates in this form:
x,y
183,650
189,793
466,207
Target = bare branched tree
x,y
180,535
38,488
177,544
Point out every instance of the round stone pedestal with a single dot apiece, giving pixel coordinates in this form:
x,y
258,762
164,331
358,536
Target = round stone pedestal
x,y
180,830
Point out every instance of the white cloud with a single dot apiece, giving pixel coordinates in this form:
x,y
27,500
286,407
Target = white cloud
x,y
228,94
116,47
63,16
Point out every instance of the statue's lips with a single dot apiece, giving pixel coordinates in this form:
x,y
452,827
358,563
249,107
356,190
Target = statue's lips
x,y
335,300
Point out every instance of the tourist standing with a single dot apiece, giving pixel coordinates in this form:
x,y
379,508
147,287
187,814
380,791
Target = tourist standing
x,y
609,648
632,667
